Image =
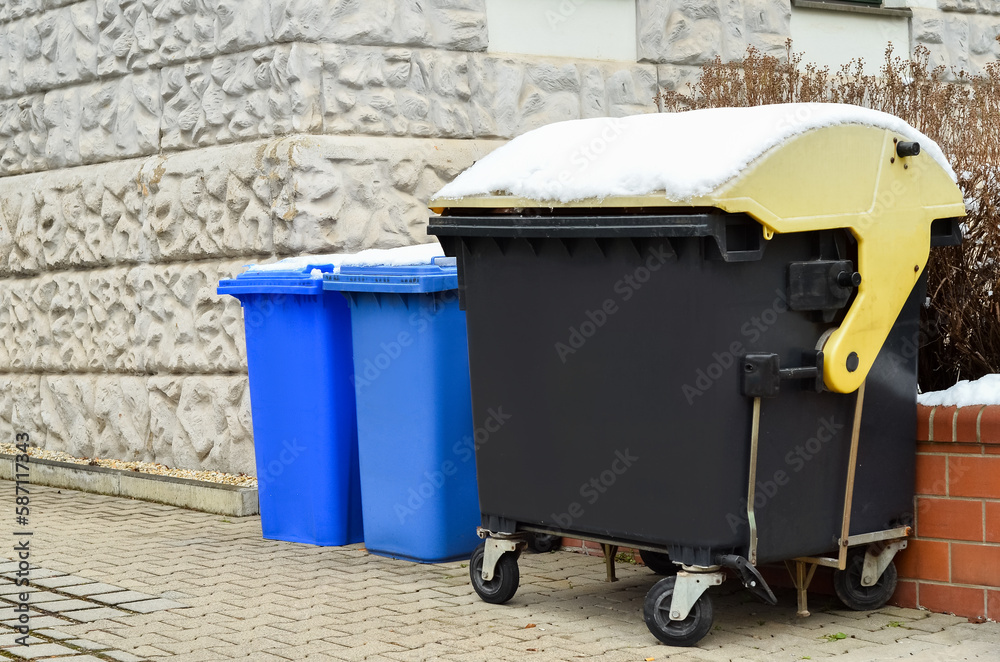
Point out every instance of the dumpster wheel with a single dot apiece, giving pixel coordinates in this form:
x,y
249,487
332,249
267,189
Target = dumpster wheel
x,y
506,576
853,593
543,542
658,562
686,632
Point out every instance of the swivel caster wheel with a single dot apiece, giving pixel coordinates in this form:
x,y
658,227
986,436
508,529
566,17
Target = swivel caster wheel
x,y
542,542
687,632
854,595
506,576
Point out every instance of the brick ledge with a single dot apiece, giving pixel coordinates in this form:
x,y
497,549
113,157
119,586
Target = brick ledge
x,y
978,424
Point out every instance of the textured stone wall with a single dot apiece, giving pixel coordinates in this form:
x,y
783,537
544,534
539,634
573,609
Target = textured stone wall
x,y
960,34
114,341
695,32
149,148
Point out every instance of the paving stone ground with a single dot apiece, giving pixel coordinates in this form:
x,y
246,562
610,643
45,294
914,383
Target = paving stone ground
x,y
215,590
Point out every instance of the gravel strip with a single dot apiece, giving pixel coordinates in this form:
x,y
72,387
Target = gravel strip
x,y
241,480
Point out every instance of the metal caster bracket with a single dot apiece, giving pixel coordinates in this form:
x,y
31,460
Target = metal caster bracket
x,y
876,562
497,547
879,554
688,587
802,575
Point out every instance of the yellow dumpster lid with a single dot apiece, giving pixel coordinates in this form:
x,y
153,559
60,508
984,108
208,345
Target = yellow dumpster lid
x,y
792,167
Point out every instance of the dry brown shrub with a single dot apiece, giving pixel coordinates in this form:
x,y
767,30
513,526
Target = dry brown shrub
x,y
961,112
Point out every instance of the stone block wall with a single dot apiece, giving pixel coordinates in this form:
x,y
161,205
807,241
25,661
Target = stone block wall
x,y
960,34
114,341
149,148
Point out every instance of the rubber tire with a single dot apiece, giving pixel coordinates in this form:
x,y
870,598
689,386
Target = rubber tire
x,y
658,562
656,612
847,584
506,576
542,542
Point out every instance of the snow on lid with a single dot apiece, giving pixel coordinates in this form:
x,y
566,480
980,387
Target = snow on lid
x,y
420,254
983,391
681,154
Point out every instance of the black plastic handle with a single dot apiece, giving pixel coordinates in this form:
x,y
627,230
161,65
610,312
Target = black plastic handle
x,y
848,279
904,148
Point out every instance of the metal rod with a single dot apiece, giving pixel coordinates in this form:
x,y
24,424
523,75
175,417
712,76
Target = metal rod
x,y
852,464
878,536
802,584
610,552
621,542
754,434
820,560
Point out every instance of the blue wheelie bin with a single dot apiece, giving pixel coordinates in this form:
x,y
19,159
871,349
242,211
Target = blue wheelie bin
x,y
302,401
415,432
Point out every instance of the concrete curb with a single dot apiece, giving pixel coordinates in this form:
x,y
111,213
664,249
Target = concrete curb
x,y
193,494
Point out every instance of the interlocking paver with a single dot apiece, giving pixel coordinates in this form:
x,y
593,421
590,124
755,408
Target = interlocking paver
x,y
118,597
39,622
9,588
39,597
87,644
95,614
40,650
58,634
8,639
123,656
63,580
66,604
35,573
92,588
146,606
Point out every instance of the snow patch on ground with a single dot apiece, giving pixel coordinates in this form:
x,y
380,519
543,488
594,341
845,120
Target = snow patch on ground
x,y
682,155
983,391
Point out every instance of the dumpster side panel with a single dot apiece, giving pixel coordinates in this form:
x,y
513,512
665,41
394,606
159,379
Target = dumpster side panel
x,y
621,383
801,472
299,357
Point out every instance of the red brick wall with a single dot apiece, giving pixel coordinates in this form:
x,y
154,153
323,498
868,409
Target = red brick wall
x,y
953,564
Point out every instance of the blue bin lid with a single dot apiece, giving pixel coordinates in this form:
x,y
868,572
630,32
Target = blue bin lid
x,y
436,276
295,279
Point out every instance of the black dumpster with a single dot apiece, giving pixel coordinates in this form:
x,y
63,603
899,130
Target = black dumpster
x,y
661,370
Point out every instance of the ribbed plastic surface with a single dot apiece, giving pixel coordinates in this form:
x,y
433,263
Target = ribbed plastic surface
x,y
438,276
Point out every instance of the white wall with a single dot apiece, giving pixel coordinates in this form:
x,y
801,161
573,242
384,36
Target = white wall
x,y
598,29
834,37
